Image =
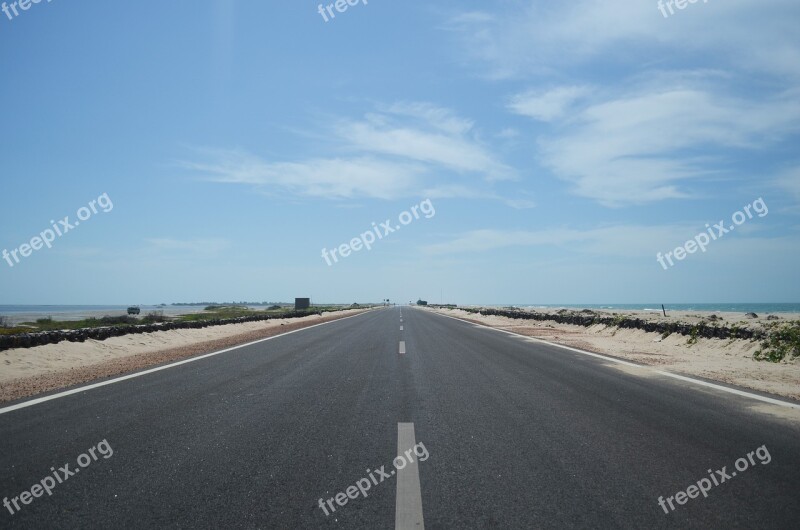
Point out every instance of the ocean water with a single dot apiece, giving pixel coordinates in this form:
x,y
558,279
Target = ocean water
x,y
757,308
29,313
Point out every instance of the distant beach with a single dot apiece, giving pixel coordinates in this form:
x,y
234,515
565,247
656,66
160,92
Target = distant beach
x,y
757,308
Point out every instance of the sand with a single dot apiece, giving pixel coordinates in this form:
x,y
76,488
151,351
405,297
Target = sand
x,y
726,361
29,371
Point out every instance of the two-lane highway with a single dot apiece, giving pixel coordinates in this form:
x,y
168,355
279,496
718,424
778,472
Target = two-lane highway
x,y
508,432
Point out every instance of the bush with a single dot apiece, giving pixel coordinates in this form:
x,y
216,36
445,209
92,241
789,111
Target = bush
x,y
782,341
154,316
693,335
115,321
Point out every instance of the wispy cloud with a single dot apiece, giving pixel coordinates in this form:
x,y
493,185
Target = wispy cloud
x,y
547,105
335,178
618,241
387,154
638,147
689,97
613,240
538,37
444,144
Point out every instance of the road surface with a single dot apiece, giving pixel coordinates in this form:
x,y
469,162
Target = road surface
x,y
470,428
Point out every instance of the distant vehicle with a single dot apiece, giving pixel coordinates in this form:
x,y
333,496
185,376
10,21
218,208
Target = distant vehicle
x,y
133,310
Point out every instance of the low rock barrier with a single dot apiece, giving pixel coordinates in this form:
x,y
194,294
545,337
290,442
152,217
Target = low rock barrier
x,y
40,338
701,330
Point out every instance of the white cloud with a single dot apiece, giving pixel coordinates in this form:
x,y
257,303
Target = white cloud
x,y
616,242
520,204
437,117
385,155
640,146
436,137
546,106
541,37
324,178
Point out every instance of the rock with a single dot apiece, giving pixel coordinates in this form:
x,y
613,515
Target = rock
x,y
751,315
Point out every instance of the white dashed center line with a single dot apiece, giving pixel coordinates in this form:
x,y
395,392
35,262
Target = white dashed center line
x,y
408,505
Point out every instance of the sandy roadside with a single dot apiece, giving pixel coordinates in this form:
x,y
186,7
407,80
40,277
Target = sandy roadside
x,y
727,361
26,372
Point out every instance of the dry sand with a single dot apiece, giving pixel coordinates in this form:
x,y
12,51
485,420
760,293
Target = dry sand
x,y
30,371
727,361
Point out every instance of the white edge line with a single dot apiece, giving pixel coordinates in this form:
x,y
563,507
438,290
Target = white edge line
x,y
626,363
36,401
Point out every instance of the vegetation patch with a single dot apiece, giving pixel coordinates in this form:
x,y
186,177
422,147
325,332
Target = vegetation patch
x,y
782,343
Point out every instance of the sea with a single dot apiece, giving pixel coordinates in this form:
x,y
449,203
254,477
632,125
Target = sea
x,y
17,314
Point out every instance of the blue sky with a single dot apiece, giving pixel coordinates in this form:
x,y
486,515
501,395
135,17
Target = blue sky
x,y
563,145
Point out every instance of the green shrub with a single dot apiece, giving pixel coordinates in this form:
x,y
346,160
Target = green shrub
x,y
693,335
115,321
154,316
782,342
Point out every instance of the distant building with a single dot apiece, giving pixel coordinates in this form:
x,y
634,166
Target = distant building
x,y
302,303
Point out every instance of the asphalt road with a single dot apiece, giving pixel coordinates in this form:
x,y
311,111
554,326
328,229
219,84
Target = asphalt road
x,y
495,431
